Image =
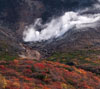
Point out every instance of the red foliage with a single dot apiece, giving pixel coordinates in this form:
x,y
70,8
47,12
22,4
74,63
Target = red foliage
x,y
2,67
39,66
29,62
49,75
27,71
29,66
16,61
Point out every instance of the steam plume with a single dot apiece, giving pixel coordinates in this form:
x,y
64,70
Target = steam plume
x,y
58,26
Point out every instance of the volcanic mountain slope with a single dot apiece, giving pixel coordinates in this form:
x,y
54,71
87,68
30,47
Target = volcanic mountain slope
x,y
75,63
88,39
74,39
15,15
70,42
8,43
29,74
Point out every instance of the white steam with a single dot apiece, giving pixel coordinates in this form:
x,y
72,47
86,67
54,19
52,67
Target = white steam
x,y
58,26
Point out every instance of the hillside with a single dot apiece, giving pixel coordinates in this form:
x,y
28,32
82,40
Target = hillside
x,y
29,74
49,44
15,16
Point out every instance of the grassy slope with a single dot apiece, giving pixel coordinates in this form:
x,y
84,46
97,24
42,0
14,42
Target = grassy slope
x,y
7,51
88,60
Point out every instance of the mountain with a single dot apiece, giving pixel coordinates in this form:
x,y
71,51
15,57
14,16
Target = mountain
x,y
49,44
16,15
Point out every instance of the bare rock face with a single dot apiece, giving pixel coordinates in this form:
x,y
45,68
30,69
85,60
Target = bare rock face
x,y
29,53
14,16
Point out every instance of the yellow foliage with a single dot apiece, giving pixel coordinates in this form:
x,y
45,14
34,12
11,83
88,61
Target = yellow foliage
x,y
45,87
16,84
82,71
3,82
77,70
66,86
88,59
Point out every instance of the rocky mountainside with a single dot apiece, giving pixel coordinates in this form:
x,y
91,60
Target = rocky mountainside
x,y
15,15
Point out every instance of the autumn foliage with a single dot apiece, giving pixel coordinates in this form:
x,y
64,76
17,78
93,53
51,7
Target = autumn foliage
x,y
30,74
